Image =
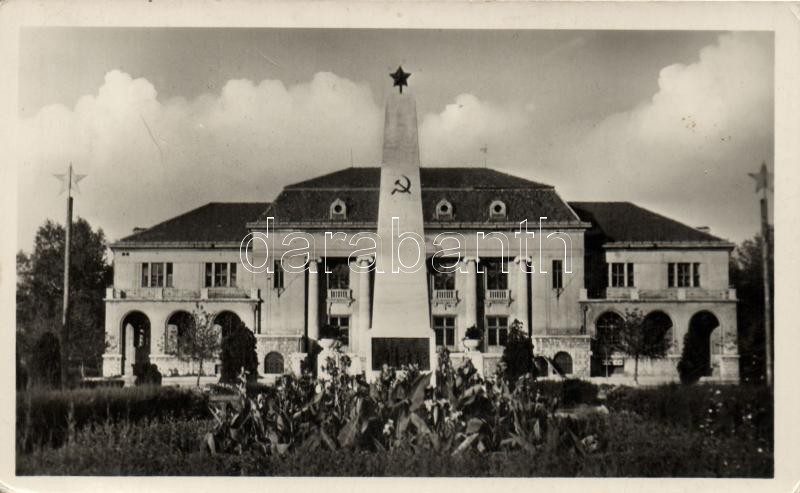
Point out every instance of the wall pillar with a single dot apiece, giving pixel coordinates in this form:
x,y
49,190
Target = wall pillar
x,y
130,356
471,294
312,301
363,302
521,300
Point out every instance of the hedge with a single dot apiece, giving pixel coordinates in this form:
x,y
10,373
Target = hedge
x,y
44,416
730,410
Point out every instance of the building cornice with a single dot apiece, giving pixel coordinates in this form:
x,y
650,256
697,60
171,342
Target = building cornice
x,y
428,225
132,245
651,245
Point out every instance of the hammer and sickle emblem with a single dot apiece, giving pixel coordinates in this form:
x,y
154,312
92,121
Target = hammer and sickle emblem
x,y
400,187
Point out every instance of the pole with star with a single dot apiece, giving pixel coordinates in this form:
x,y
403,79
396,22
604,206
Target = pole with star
x,y
764,184
67,181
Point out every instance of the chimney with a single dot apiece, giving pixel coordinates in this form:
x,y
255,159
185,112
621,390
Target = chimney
x,y
704,229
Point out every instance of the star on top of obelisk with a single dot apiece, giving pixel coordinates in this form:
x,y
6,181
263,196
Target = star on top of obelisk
x,y
400,78
69,181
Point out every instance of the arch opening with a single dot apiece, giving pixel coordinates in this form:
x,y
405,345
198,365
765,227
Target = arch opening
x,y
563,362
136,326
657,326
178,324
273,363
605,343
696,357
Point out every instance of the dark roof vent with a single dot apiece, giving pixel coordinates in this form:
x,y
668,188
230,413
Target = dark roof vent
x,y
138,229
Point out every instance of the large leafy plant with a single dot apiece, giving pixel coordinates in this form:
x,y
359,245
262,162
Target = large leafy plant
x,y
402,410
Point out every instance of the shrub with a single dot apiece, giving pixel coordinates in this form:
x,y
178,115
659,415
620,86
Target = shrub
x,y
517,354
238,352
569,392
329,331
146,373
42,416
473,333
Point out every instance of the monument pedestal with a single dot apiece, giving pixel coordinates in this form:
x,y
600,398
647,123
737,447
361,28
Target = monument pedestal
x,y
401,332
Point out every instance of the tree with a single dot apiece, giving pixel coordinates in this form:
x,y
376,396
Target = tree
x,y
40,290
517,354
238,351
201,340
639,338
747,276
45,361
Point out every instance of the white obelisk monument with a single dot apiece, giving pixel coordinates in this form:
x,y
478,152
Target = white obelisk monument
x,y
401,332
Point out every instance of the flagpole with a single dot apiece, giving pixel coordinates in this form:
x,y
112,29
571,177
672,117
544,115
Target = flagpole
x,y
765,263
65,306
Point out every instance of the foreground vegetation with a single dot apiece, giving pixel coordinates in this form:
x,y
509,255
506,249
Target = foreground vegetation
x,y
404,426
631,447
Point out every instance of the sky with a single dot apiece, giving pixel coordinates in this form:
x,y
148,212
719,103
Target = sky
x,y
165,120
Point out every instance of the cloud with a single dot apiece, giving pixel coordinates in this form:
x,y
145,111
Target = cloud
x,y
148,159
688,149
685,151
455,135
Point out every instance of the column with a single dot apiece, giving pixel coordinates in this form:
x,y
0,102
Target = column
x,y
130,356
471,296
521,300
312,301
363,301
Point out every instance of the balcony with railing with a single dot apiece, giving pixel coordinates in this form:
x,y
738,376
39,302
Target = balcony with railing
x,y
666,294
340,295
444,297
152,294
227,293
180,294
498,296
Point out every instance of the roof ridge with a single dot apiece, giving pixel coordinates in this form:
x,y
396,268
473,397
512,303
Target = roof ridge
x,y
195,210
173,218
675,221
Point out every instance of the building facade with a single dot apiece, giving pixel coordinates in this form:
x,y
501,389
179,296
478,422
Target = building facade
x,y
495,249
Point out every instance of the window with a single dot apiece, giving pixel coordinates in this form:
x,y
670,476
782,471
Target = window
x,y
444,210
630,275
683,275
220,274
494,275
157,275
558,274
497,210
608,326
339,276
343,323
273,363
497,331
443,275
338,210
621,275
277,276
617,274
444,329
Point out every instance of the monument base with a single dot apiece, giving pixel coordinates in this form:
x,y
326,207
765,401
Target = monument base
x,y
398,351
